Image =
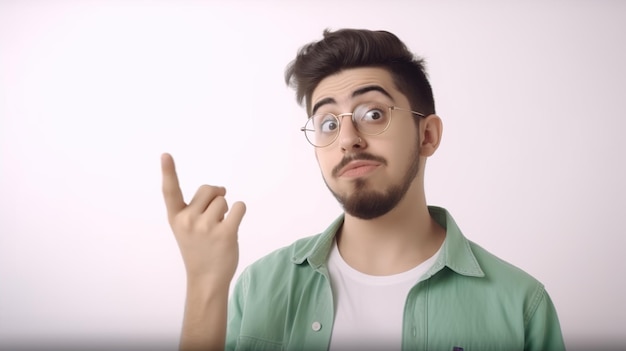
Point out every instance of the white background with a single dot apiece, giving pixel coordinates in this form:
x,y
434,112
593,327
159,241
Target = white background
x,y
532,95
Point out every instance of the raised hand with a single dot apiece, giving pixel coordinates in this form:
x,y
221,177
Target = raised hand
x,y
207,240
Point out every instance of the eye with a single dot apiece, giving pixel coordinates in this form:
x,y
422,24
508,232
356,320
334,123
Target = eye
x,y
373,115
369,114
327,124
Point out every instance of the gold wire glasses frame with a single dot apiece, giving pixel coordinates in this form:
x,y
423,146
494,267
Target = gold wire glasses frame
x,y
369,119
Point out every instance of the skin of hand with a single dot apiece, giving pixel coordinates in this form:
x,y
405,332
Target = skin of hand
x,y
205,233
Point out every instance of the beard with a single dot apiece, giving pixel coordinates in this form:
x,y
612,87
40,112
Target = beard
x,y
366,203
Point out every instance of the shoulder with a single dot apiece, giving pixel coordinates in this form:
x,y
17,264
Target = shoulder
x,y
471,260
497,269
511,282
539,316
284,255
276,267
277,275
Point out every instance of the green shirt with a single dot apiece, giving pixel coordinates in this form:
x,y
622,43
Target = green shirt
x,y
468,300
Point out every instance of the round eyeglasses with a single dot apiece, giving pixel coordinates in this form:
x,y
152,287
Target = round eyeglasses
x,y
369,119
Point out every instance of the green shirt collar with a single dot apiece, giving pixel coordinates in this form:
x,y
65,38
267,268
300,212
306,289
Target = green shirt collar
x,y
456,253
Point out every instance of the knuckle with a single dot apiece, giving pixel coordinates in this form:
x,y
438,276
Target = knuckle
x,y
202,227
183,221
207,189
219,206
221,201
204,188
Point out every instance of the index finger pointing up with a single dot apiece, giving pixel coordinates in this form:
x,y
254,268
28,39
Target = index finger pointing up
x,y
171,189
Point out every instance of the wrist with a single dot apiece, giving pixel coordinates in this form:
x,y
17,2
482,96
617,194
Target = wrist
x,y
209,287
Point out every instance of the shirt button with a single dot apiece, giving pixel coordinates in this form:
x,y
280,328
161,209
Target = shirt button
x,y
316,326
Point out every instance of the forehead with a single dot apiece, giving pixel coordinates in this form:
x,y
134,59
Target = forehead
x,y
340,86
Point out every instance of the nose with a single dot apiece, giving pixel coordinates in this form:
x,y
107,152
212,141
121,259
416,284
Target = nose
x,y
349,137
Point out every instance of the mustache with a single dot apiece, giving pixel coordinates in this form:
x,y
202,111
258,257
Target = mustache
x,y
354,157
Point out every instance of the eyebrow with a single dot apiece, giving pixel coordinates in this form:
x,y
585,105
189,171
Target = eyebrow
x,y
360,91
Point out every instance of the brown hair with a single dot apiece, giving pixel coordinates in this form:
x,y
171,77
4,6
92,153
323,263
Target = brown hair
x,y
351,48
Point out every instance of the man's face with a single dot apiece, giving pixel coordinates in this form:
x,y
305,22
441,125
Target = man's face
x,y
368,174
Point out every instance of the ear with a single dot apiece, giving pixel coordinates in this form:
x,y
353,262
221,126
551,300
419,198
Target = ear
x,y
431,129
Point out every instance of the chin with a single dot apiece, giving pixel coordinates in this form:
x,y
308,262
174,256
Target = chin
x,y
370,204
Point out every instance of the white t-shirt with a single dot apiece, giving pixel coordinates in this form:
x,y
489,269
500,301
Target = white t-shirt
x,y
369,309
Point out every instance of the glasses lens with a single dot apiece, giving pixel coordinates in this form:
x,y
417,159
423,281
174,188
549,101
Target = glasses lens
x,y
372,118
321,130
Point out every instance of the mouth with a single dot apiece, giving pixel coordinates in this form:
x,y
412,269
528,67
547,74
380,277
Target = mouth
x,y
358,165
359,168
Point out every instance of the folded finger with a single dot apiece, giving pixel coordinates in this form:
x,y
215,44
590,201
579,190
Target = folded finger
x,y
216,209
204,196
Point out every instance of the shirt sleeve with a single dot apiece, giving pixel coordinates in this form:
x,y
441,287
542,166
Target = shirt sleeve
x,y
543,331
235,311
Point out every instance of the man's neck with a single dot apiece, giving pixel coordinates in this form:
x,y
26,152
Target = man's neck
x,y
393,243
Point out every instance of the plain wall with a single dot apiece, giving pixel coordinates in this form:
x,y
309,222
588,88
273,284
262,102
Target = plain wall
x,y
92,92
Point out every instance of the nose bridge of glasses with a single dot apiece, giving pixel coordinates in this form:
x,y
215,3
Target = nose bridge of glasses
x,y
340,117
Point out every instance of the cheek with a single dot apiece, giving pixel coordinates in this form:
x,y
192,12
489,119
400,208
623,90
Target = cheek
x,y
402,151
326,163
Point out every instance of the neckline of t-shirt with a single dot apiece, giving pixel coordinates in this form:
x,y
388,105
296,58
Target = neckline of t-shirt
x,y
410,275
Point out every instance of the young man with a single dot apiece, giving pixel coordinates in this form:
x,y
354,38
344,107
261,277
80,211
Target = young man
x,y
391,272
